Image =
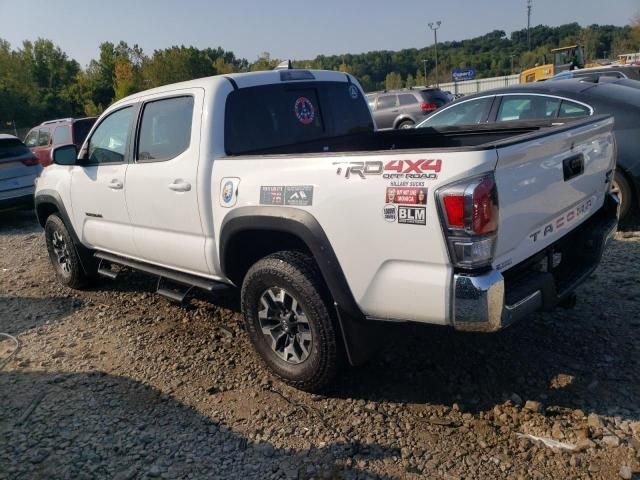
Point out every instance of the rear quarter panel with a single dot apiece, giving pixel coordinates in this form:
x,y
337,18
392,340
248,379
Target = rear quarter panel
x,y
395,270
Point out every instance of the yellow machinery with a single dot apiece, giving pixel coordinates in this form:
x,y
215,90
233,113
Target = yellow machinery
x,y
564,58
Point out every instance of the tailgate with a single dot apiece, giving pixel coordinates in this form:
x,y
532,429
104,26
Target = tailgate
x,y
548,184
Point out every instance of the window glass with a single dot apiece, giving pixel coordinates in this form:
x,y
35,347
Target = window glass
x,y
272,116
348,112
165,131
386,101
12,147
371,100
407,99
571,109
61,135
81,129
44,136
32,139
527,107
465,113
109,141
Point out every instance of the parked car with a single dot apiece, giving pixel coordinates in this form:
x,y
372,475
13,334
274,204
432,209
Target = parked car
x,y
404,108
614,71
274,181
44,137
19,169
556,101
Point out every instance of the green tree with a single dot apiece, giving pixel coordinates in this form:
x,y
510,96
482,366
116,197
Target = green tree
x,y
392,81
411,82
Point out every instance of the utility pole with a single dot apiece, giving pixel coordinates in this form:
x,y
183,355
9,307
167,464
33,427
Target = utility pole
x,y
435,26
529,5
512,64
425,72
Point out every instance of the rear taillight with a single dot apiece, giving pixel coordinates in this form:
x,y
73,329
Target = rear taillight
x,y
469,212
30,162
428,106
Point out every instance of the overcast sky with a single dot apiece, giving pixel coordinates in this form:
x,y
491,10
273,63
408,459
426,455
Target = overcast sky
x,y
298,29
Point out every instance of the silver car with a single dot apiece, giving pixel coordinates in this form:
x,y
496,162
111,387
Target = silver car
x,y
19,169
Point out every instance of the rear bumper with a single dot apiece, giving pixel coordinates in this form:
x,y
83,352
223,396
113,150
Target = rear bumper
x,y
492,300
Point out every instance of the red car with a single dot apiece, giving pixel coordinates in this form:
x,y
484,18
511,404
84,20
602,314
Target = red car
x,y
64,131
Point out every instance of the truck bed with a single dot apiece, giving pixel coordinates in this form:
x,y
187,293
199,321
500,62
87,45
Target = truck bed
x,y
465,137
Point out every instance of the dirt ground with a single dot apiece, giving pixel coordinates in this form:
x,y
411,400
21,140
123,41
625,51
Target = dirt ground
x,y
117,382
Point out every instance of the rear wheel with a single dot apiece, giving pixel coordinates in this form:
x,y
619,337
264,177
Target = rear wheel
x,y
289,322
622,188
63,254
406,124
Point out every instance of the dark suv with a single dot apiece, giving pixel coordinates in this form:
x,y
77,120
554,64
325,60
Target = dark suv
x,y
404,108
42,138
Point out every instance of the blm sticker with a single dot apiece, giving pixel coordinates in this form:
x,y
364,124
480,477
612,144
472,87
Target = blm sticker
x,y
412,215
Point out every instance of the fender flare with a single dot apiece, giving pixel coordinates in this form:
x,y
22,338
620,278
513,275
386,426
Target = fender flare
x,y
361,337
51,197
302,225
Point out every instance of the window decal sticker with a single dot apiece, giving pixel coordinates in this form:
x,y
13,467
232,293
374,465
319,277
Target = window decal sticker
x,y
304,110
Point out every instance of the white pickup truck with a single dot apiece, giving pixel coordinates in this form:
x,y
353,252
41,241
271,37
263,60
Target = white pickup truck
x,y
278,183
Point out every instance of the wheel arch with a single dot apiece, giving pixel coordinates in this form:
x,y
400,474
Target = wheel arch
x,y
49,202
281,229
403,118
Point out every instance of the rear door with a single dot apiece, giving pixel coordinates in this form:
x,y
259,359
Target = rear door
x,y
550,184
386,110
162,187
97,186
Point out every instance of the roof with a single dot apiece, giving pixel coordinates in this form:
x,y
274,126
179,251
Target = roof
x,y
242,80
575,88
6,136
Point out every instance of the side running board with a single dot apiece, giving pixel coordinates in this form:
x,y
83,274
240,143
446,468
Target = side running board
x,y
181,282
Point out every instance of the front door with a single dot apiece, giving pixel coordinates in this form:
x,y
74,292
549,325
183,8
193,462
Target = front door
x,y
162,186
98,186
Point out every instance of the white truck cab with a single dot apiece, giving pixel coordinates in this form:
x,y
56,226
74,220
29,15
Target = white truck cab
x,y
278,183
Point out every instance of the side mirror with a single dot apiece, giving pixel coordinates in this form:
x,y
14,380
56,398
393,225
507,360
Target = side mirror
x,y
64,155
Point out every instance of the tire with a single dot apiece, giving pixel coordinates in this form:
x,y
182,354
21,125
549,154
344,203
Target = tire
x,y
63,254
307,354
621,186
406,124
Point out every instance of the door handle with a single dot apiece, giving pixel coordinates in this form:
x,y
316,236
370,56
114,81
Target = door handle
x,y
180,186
116,184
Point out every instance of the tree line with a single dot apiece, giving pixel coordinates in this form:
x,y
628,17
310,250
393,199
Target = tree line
x,y
38,81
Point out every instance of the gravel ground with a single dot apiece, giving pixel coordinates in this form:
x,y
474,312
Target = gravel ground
x,y
117,382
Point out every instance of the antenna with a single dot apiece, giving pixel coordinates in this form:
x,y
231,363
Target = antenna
x,y
529,6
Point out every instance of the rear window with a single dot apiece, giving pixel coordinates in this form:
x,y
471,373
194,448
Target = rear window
x,y
81,129
61,135
12,147
407,99
277,115
570,109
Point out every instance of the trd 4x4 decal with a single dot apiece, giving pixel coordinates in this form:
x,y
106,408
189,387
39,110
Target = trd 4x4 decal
x,y
413,169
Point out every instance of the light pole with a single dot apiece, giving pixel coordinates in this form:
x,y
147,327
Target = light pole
x,y
425,72
435,26
512,64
